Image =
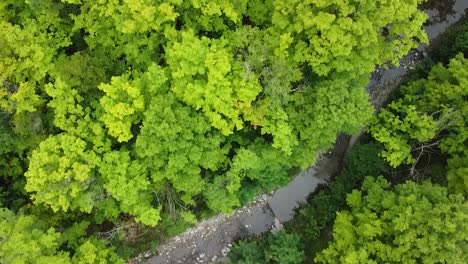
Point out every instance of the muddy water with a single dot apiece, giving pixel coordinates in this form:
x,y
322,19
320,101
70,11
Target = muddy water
x,y
210,240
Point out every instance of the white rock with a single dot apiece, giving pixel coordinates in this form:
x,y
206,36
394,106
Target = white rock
x,y
277,223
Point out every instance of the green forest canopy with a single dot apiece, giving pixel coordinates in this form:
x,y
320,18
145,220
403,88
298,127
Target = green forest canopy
x,y
409,223
175,109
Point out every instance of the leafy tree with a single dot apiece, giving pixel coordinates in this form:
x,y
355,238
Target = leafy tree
x,y
205,77
125,180
123,103
319,113
410,223
176,143
285,248
246,253
164,111
351,36
95,251
256,49
24,240
63,174
280,247
321,208
259,162
431,112
128,29
27,239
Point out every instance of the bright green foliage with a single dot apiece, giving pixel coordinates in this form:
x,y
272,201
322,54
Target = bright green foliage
x,y
432,109
218,196
318,114
33,58
214,16
122,104
24,240
175,143
206,77
351,36
73,115
164,111
396,133
125,100
231,9
126,181
124,28
62,174
262,163
411,223
95,251
25,99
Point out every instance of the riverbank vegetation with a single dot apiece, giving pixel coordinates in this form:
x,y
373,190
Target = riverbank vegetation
x,y
124,122
416,210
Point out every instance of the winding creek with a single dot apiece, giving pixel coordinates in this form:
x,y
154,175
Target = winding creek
x,y
209,240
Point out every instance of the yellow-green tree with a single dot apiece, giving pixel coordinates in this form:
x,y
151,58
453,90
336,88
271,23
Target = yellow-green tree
x,y
409,223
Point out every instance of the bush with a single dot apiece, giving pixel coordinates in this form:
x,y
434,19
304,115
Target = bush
x,y
281,248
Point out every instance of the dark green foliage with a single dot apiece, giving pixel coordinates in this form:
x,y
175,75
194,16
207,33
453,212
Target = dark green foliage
x,y
313,218
320,211
429,116
247,253
277,248
452,42
283,247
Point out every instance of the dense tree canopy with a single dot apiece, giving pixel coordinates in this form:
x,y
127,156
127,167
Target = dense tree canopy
x,y
410,223
431,112
143,109
421,134
26,239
